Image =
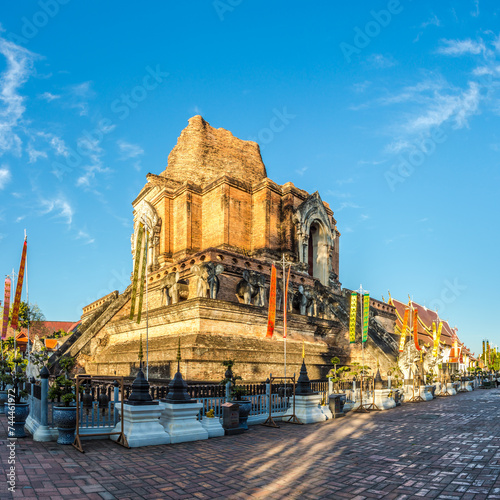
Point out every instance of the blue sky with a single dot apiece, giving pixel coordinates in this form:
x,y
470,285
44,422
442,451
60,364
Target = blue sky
x,y
389,108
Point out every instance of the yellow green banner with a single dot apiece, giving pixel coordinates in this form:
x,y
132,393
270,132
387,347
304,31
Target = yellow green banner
x,y
352,319
366,315
135,277
143,277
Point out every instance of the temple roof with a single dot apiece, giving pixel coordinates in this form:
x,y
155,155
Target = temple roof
x,y
203,154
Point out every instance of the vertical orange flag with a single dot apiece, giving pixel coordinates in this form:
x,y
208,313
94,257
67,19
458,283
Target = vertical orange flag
x,y
285,302
6,307
271,318
415,329
19,288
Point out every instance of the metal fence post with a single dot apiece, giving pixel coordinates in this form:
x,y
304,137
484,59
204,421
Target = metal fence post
x,y
43,432
116,397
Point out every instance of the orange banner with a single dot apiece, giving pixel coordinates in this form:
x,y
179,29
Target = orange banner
x,y
6,307
285,302
415,329
402,339
19,288
271,317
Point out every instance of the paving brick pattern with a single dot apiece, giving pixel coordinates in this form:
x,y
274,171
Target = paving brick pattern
x,y
447,448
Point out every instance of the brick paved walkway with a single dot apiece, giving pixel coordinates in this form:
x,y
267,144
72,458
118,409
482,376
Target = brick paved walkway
x,y
445,448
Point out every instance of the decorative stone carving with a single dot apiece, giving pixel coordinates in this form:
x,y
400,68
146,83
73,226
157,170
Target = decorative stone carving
x,y
174,289
252,288
207,276
312,212
146,214
305,301
408,359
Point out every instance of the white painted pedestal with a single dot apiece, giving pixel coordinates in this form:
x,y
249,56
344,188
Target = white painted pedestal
x,y
141,425
307,409
181,422
382,399
212,426
326,412
469,385
426,392
451,389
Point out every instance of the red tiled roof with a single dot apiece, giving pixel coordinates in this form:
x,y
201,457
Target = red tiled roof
x,y
55,326
426,318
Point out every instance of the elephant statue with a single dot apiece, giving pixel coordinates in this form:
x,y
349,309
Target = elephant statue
x,y
305,301
171,288
213,271
207,279
249,288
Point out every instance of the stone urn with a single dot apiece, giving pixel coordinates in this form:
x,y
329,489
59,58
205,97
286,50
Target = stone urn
x,y
19,413
4,396
65,421
245,407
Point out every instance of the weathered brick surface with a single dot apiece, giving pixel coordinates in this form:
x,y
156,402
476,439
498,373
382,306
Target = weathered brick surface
x,y
447,448
202,153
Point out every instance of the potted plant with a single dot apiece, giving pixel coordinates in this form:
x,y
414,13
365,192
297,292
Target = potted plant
x,y
16,409
64,415
237,393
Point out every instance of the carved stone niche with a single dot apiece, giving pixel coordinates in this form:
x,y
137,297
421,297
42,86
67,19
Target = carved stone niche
x,y
251,289
173,289
315,238
146,214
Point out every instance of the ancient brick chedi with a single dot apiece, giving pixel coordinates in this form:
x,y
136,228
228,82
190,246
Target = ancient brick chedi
x,y
216,225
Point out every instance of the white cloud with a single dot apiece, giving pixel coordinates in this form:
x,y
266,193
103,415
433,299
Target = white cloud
x,y
83,235
380,61
457,108
19,67
301,171
79,97
475,13
47,96
432,21
129,150
34,154
56,143
59,207
461,47
4,176
346,204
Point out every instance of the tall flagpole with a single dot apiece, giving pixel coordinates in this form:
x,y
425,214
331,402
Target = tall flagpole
x,y
146,249
284,305
27,302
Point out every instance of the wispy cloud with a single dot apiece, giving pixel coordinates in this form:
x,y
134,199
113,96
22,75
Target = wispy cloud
x,y
380,61
4,176
78,97
475,12
129,150
83,235
19,68
301,171
92,150
347,204
47,96
59,207
34,154
461,47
